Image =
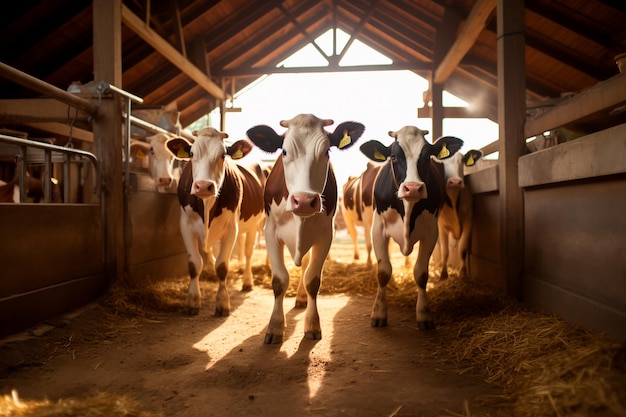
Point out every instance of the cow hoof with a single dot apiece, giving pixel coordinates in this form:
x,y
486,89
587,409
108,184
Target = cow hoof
x,y
273,339
379,322
222,312
192,311
301,304
246,288
426,325
313,335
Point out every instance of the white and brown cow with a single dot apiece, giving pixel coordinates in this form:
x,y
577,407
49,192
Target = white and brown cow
x,y
408,195
219,200
357,207
300,202
162,166
456,215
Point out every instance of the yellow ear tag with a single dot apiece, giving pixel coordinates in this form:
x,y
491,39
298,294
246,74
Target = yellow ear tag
x,y
140,154
379,156
470,161
345,141
444,152
182,154
238,154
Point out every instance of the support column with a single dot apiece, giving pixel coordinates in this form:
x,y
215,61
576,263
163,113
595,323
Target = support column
x,y
511,119
108,131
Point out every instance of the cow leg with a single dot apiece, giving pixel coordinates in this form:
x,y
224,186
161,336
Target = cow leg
x,y
464,242
423,314
444,252
381,250
194,246
312,283
301,295
222,300
368,243
250,241
280,283
353,235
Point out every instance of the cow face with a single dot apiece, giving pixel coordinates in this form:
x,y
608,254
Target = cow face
x,y
305,156
409,158
207,155
160,160
454,167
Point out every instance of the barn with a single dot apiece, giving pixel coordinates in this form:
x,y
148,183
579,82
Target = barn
x,y
80,79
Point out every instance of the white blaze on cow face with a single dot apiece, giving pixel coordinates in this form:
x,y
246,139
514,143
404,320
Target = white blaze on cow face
x,y
411,141
207,154
305,159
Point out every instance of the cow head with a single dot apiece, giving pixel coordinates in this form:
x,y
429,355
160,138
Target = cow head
x,y
305,156
409,157
160,160
207,155
455,165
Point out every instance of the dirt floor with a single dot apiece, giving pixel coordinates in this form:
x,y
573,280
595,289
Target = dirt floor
x,y
165,363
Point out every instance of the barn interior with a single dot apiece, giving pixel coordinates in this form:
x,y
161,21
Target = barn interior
x,y
549,225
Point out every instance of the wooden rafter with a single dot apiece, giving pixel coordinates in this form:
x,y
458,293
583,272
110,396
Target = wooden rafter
x,y
170,53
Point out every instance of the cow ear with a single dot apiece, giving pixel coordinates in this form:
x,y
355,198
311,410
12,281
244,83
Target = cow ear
x,y
265,138
239,149
139,150
346,134
375,151
180,148
471,157
446,146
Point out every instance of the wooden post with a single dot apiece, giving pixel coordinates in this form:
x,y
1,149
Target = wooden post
x,y
446,35
511,118
107,132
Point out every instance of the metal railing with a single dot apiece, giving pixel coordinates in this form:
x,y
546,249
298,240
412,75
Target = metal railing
x,y
21,146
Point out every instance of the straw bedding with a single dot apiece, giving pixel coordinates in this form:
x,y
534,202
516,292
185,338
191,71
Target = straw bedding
x,y
545,366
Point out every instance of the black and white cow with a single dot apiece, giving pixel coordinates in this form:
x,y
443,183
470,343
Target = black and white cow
x,y
300,202
456,216
219,200
408,195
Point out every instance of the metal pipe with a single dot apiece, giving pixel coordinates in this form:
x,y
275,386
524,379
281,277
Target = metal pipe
x,y
24,143
47,177
44,88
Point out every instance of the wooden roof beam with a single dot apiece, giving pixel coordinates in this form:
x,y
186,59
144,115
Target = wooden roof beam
x,y
475,23
170,53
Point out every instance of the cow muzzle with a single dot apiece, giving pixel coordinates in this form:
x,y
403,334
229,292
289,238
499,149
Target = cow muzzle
x,y
164,181
456,183
203,189
305,204
412,191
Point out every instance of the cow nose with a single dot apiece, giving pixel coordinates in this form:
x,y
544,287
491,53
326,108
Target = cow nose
x,y
203,188
306,204
455,183
412,191
164,181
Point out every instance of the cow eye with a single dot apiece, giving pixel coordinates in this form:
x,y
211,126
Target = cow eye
x,y
393,158
284,152
190,154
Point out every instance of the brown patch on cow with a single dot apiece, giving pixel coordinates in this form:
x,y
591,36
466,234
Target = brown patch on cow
x,y
329,195
192,270
422,280
252,201
275,186
221,270
314,286
277,286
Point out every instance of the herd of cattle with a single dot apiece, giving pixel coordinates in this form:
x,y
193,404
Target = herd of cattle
x,y
412,192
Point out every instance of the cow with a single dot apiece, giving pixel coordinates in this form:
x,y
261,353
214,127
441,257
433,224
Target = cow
x,y
456,215
408,195
300,203
162,166
219,199
357,207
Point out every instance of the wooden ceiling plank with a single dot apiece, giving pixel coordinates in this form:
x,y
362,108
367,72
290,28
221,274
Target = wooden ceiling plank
x,y
170,53
475,23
